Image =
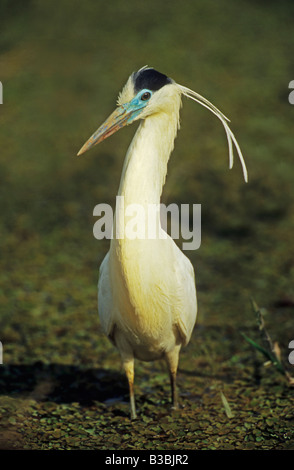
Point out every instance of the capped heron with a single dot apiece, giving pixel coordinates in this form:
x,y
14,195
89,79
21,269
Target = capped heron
x,y
146,289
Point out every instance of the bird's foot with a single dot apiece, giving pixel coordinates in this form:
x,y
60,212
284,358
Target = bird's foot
x,y
133,416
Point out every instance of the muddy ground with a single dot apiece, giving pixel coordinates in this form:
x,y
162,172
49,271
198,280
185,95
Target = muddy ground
x,y
61,383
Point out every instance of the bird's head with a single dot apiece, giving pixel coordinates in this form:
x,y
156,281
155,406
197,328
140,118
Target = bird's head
x,y
148,92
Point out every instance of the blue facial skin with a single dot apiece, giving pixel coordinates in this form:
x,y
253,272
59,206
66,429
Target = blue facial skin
x,y
123,115
135,106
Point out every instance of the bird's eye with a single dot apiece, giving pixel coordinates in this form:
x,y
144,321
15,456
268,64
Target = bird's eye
x,y
146,96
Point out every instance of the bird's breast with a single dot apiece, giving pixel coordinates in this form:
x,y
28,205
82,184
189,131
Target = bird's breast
x,y
144,282
148,294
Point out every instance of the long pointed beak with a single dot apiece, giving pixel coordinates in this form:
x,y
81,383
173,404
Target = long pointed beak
x,y
118,119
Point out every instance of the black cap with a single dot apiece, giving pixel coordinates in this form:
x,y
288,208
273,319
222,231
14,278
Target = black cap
x,y
150,79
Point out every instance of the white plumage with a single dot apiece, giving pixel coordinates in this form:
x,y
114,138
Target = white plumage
x,y
146,290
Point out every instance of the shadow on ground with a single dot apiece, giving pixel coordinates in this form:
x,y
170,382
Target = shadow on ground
x,y
62,383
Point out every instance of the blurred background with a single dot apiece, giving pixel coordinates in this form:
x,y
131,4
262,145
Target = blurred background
x,y
62,65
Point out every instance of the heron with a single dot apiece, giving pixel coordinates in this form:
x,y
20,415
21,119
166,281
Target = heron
x,y
146,288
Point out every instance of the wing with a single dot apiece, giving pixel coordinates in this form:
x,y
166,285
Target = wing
x,y
105,300
186,307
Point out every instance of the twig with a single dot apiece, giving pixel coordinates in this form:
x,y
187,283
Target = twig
x,y
271,351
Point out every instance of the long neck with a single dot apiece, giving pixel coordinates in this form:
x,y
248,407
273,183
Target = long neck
x,y
145,166
144,174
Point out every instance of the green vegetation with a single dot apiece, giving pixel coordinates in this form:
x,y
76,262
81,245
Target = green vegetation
x,y
62,65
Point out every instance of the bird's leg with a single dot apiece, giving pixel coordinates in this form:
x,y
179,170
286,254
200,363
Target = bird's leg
x,y
173,382
172,359
129,370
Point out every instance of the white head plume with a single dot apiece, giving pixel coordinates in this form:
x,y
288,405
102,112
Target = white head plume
x,y
230,136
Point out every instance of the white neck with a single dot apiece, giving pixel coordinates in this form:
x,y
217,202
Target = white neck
x,y
145,165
